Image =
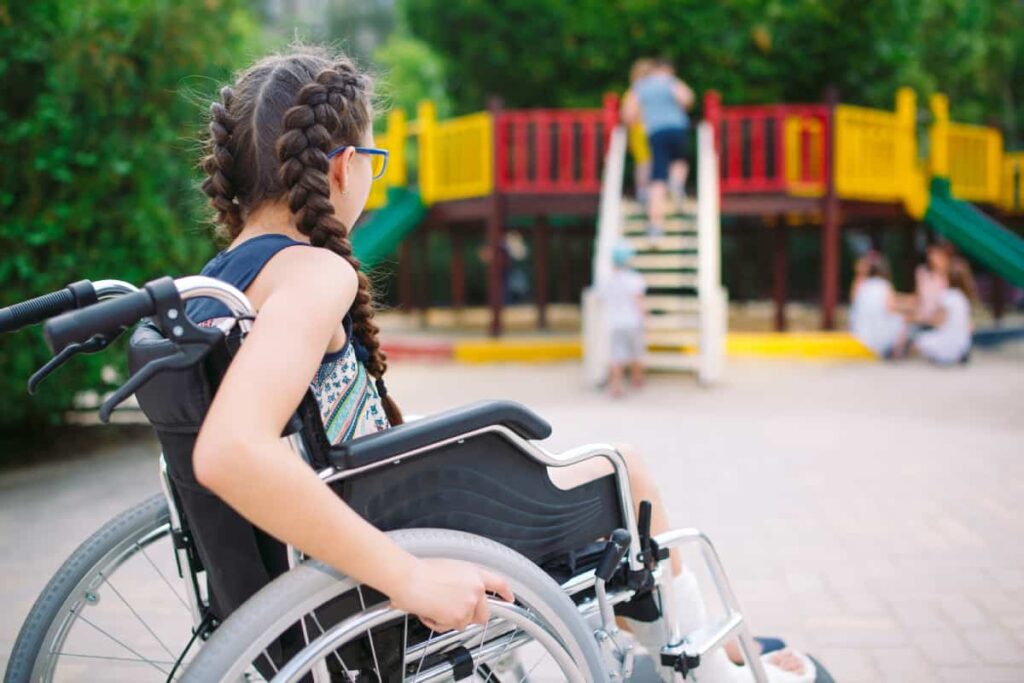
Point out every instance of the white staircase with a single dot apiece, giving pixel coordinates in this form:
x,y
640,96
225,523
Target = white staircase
x,y
685,301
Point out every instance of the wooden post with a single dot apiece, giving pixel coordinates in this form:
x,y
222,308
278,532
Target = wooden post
x,y
998,298
458,267
830,224
780,264
540,269
910,255
562,278
422,290
495,238
405,298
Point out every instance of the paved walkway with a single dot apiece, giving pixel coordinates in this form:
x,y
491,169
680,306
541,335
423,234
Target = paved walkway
x,y
872,514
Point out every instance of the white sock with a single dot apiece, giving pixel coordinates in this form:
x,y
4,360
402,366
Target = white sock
x,y
715,666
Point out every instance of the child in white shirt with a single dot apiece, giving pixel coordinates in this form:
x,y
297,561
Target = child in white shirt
x,y
949,340
622,296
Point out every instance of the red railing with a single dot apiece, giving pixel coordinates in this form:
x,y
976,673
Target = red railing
x,y
552,150
752,145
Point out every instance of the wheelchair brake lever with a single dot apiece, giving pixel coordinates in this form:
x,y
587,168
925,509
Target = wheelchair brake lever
x,y
92,345
192,342
184,358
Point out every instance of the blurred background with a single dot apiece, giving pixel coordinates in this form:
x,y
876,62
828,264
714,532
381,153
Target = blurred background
x,y
866,504
104,103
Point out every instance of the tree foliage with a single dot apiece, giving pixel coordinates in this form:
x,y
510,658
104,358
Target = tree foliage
x,y
549,52
98,136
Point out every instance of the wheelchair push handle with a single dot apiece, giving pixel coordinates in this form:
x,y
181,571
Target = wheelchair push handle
x,y
76,295
615,549
107,318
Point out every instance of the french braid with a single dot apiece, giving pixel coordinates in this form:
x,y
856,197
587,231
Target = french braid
x,y
218,165
331,108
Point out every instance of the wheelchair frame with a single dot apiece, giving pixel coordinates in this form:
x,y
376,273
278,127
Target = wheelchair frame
x,y
679,647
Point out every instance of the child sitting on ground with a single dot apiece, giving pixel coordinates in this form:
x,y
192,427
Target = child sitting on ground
x,y
949,340
622,295
873,317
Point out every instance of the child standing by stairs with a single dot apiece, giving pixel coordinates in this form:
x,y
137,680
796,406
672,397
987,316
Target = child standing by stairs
x,y
622,295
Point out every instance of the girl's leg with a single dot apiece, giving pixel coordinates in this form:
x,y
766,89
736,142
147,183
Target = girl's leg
x,y
614,382
657,199
636,369
677,174
643,487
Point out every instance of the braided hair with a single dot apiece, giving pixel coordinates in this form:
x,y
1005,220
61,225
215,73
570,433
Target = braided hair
x,y
268,141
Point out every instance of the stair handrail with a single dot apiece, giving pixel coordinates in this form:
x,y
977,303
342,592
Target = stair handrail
x,y
712,296
609,217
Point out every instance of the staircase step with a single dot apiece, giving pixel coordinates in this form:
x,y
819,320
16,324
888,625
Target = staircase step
x,y
671,303
655,261
672,338
670,280
671,360
664,243
673,321
674,225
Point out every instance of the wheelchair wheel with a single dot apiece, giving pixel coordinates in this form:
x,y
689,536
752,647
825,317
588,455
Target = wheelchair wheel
x,y
115,610
314,624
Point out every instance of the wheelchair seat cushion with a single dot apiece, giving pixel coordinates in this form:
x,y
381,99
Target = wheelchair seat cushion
x,y
417,434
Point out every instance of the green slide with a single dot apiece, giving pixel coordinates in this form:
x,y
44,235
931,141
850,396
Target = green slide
x,y
384,229
975,233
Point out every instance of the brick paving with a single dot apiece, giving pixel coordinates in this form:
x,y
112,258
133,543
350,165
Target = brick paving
x,y
870,514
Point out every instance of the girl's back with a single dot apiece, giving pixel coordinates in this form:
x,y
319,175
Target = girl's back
x,y
350,405
659,106
871,318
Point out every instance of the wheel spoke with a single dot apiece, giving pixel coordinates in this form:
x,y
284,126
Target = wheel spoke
x,y
501,654
165,579
337,656
141,657
405,643
270,660
530,671
419,666
142,621
112,658
369,635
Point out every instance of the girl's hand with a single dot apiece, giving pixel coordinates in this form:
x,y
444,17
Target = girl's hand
x,y
449,594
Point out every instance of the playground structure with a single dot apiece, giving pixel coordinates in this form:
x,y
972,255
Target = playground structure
x,y
830,163
476,171
823,164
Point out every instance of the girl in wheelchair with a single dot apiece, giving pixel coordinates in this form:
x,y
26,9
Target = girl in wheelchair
x,y
290,161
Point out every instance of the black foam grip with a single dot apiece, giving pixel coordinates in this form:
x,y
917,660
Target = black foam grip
x,y
614,551
40,308
107,317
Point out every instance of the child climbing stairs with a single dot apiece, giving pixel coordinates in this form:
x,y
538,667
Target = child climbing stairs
x,y
685,304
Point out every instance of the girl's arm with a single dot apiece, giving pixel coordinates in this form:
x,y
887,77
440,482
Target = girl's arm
x,y
684,95
630,108
239,454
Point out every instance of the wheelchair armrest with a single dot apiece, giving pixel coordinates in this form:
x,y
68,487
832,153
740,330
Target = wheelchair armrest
x,y
429,430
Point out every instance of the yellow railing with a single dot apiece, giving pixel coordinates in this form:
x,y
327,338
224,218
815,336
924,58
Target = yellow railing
x,y
805,141
1011,188
393,140
456,156
970,156
876,154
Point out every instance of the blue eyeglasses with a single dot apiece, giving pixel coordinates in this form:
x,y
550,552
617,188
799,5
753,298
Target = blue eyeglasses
x,y
378,158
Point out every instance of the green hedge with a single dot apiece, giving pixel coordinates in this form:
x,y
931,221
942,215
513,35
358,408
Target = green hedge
x,y
101,106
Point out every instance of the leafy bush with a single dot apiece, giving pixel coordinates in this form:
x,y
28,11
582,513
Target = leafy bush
x,y
543,53
97,134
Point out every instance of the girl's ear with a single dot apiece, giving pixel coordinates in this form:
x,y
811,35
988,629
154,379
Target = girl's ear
x,y
338,172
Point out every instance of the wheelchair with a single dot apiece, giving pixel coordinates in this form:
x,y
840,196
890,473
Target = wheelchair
x,y
470,484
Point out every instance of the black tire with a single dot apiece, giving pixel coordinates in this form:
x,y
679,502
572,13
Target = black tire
x,y
140,521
